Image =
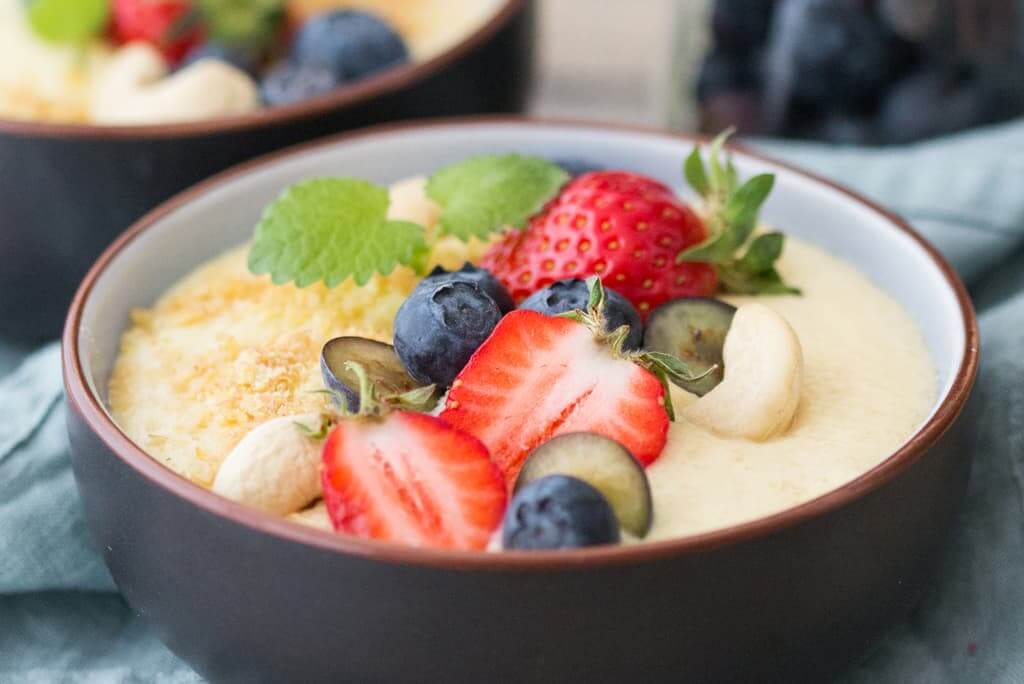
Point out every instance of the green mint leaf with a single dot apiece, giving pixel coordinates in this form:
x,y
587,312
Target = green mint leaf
x,y
68,21
762,253
331,229
481,195
738,281
695,173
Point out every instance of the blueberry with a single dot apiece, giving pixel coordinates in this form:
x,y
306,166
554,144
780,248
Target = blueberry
x,y
351,43
287,83
846,129
478,276
572,293
577,167
239,58
724,73
439,327
932,103
834,53
741,25
558,512
741,110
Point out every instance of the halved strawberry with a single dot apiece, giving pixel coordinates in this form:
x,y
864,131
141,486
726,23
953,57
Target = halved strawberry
x,y
538,376
165,24
411,478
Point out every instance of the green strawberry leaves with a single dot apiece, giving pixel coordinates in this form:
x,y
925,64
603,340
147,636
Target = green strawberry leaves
x,y
68,21
331,229
481,195
732,213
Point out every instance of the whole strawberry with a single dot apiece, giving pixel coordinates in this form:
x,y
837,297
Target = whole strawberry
x,y
642,240
624,227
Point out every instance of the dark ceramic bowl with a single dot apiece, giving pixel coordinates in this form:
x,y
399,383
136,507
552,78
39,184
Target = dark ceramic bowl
x,y
245,597
67,190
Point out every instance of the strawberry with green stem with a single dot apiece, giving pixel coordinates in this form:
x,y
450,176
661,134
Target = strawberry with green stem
x,y
731,214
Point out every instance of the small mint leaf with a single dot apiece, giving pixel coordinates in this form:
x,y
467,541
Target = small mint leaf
x,y
481,195
762,254
68,21
695,173
331,229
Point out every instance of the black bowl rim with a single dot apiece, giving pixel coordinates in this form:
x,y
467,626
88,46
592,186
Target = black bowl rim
x,y
387,82
92,412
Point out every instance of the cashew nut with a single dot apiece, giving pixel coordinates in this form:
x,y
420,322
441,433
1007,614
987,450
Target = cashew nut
x,y
136,88
763,374
275,468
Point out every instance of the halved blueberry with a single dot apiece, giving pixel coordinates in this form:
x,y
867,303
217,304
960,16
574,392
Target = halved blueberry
x,y
693,329
379,359
558,512
602,463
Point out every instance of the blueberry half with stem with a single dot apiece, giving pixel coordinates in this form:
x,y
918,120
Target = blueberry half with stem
x,y
379,360
558,512
602,463
692,329
574,293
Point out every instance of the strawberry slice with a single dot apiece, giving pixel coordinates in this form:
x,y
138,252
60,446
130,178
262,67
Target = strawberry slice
x,y
411,478
162,23
538,376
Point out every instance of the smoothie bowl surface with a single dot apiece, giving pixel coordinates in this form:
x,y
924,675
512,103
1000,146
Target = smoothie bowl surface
x,y
764,516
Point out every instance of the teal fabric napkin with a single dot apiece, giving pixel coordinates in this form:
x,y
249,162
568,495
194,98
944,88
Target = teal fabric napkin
x,y
61,619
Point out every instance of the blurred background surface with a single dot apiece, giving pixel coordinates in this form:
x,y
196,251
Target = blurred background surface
x,y
863,72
